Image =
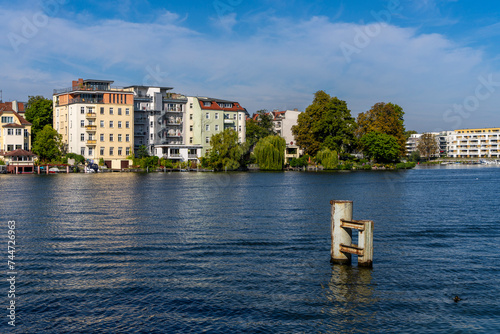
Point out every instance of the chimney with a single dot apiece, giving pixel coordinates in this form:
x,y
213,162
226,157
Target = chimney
x,y
14,106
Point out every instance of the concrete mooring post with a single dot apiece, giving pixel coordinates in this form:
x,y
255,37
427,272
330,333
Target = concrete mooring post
x,y
342,225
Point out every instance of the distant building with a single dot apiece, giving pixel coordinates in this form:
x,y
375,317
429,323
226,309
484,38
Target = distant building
x,y
19,161
441,141
15,130
283,122
96,120
474,143
209,116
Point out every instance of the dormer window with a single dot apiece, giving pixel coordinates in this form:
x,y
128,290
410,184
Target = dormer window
x,y
207,104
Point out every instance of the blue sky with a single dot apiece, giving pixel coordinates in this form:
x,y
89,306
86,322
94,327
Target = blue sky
x,y
439,60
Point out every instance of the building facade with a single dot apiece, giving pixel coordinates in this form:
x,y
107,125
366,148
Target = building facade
x,y
96,120
160,123
209,116
474,143
15,131
283,122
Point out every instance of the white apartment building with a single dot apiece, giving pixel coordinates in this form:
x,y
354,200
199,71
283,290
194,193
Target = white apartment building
x,y
474,143
283,122
160,123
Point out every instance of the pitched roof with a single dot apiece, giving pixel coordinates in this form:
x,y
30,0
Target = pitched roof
x,y
21,119
12,125
8,106
18,153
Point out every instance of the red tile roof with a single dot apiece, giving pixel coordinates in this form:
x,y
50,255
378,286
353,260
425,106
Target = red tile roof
x,y
12,125
18,153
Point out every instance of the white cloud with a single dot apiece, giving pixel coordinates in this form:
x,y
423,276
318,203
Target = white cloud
x,y
279,64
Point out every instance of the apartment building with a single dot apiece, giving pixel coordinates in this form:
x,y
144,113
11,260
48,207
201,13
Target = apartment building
x,y
160,123
474,143
209,116
96,120
15,130
283,122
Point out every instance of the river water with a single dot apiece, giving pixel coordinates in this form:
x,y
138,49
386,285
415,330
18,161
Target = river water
x,y
249,252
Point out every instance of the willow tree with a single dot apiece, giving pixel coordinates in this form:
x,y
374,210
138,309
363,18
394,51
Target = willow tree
x,y
328,159
270,153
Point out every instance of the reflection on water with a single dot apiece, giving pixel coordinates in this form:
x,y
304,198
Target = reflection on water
x,y
350,293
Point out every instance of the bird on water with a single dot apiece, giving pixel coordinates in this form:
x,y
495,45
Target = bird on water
x,y
457,299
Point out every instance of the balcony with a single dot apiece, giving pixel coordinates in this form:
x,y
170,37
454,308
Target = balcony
x,y
91,115
140,120
91,127
192,156
91,142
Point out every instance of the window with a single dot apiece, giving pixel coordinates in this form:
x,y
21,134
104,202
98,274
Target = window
x,y
102,110
101,137
82,110
127,138
119,151
216,115
127,124
26,147
119,113
151,124
239,128
191,105
127,151
152,137
119,124
111,110
234,116
7,119
127,111
239,117
10,147
190,140
70,124
82,151
102,124
111,149
90,151
207,115
111,137
26,133
82,137
10,132
190,116
110,124
207,104
216,127
207,127
19,132
190,128
119,137
82,123
207,140
102,151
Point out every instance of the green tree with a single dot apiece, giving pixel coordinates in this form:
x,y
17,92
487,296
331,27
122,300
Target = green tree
x,y
38,112
142,152
300,162
225,151
409,133
259,128
427,146
79,159
328,159
384,118
380,146
326,123
48,144
270,153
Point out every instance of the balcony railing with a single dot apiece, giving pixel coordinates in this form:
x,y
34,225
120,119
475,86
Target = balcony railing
x,y
91,127
91,142
90,89
91,115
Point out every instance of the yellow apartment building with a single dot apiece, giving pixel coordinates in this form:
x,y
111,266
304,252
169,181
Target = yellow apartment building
x,y
96,120
15,130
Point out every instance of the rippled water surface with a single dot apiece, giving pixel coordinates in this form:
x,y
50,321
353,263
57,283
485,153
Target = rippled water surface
x,y
249,252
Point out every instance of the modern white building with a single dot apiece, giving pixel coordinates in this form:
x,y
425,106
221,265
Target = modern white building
x,y
474,143
160,123
283,122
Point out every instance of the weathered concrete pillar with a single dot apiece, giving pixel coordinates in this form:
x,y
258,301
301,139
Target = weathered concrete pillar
x,y
340,235
366,242
67,169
